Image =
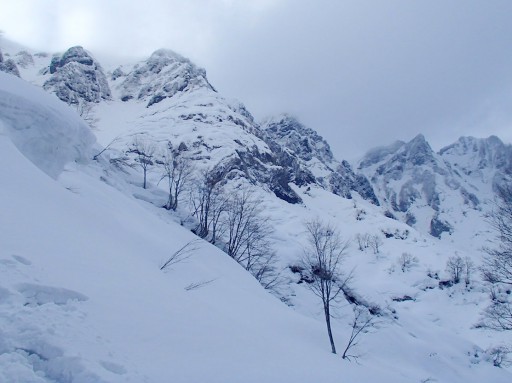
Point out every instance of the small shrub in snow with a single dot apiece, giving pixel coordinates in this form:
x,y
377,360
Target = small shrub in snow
x,y
363,241
375,242
455,267
469,267
500,356
407,261
361,324
360,214
433,274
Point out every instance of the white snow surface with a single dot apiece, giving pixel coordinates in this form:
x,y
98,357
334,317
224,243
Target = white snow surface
x,y
44,129
83,299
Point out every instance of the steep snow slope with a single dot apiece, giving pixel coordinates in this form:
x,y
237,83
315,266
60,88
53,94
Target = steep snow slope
x,y
84,258
82,298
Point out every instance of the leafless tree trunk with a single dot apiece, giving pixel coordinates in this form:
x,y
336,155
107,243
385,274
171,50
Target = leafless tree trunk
x,y
363,320
208,202
178,170
182,253
322,261
144,151
247,231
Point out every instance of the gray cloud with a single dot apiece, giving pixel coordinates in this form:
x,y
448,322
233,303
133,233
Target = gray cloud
x,y
362,73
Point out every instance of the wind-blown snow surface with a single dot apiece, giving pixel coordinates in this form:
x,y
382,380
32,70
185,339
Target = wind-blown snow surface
x,y
45,131
82,298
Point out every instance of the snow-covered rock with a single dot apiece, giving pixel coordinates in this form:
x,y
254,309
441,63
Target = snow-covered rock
x,y
76,76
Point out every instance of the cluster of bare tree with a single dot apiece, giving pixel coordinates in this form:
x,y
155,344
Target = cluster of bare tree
x,y
460,268
233,221
369,241
237,224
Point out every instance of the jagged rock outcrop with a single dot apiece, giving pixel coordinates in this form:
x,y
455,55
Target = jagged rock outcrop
x,y
310,160
77,77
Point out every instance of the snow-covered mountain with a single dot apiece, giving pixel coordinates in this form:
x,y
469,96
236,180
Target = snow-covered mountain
x,y
434,191
82,296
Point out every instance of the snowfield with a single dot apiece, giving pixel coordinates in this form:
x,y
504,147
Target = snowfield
x,y
83,299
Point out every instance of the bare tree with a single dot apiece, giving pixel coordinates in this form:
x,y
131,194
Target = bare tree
x,y
322,262
497,266
178,171
144,150
247,237
469,267
455,267
407,261
375,242
209,203
363,241
361,323
498,315
500,356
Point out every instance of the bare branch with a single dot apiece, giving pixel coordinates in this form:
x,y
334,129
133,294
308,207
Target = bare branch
x,y
184,252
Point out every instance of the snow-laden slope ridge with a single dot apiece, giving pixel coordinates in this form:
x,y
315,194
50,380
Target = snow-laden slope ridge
x,y
44,129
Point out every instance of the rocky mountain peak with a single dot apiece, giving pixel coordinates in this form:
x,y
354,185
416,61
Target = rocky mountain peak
x,y
77,77
470,154
418,151
301,140
163,75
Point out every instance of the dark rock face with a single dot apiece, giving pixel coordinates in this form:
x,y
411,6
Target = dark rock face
x,y
438,227
310,160
77,77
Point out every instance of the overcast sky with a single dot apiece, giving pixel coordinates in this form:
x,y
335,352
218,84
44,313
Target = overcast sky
x,y
361,73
